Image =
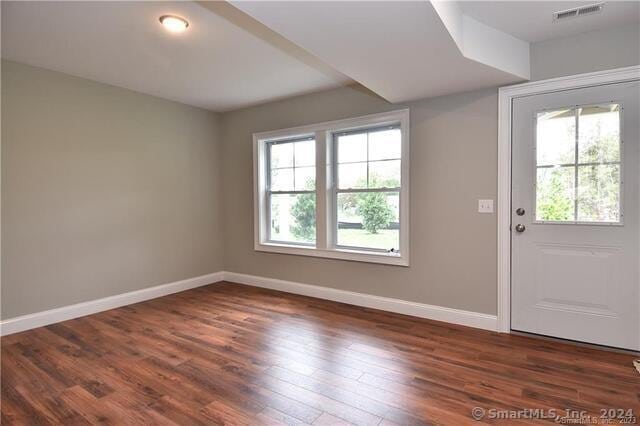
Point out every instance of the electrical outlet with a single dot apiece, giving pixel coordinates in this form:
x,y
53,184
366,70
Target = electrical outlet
x,y
485,206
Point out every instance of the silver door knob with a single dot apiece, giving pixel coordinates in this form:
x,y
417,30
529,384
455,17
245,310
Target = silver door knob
x,y
520,227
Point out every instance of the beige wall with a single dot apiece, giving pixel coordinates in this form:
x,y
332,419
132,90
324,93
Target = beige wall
x,y
592,51
453,164
104,190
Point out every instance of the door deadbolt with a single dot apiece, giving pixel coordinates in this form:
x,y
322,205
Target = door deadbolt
x,y
520,211
520,227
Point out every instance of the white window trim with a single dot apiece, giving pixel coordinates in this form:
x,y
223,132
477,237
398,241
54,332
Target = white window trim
x,y
325,246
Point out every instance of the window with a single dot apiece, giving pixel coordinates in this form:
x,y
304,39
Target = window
x,y
368,188
290,191
578,165
355,208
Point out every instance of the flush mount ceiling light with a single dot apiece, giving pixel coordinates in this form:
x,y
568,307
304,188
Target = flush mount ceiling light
x,y
174,23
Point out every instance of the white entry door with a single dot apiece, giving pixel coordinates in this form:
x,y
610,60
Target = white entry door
x,y
575,215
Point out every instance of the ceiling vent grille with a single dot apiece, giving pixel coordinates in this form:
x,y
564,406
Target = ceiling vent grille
x,y
578,11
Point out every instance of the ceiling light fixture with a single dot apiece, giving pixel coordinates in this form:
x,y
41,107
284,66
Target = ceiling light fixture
x,y
174,23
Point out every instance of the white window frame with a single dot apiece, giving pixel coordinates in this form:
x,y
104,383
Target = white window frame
x,y
325,190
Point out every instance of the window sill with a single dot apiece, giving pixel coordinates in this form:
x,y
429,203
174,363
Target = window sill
x,y
341,254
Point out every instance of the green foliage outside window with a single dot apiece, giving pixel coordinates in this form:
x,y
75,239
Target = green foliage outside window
x,y
304,214
373,207
553,202
375,211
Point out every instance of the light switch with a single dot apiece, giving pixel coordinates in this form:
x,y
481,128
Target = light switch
x,y
485,206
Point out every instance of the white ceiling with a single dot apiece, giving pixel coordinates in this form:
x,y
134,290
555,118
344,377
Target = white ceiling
x,y
224,61
400,50
532,21
247,53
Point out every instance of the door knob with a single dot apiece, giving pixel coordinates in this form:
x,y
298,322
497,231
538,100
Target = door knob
x,y
520,227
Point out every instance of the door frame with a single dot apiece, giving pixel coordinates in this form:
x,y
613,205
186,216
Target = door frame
x,y
506,96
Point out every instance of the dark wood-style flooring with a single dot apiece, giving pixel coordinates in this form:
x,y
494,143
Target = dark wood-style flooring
x,y
232,354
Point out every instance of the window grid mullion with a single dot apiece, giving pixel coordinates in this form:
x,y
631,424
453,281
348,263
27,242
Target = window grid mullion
x,y
575,171
291,192
368,133
293,148
362,190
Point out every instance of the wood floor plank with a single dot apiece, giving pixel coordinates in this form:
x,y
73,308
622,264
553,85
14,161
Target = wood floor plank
x,y
239,355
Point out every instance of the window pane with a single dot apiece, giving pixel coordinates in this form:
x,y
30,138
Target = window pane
x,y
384,145
281,155
305,153
599,134
599,193
305,178
384,174
293,218
353,175
352,148
369,220
555,194
282,180
556,137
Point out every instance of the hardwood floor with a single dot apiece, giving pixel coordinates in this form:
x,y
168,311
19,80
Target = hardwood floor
x,y
232,354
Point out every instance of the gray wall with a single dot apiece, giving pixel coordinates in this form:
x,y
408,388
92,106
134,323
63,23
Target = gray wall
x,y
104,190
592,51
453,164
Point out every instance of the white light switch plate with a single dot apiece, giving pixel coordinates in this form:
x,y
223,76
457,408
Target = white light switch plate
x,y
485,206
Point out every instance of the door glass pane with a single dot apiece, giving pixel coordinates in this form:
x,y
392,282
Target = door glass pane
x,y
384,145
352,175
282,180
369,220
281,155
555,194
293,218
599,193
556,137
599,128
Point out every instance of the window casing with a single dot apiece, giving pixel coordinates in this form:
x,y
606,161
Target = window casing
x,y
366,218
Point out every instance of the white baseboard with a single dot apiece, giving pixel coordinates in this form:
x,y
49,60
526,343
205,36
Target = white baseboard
x,y
39,319
437,313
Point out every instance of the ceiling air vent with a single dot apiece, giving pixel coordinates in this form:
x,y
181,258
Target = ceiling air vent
x,y
578,11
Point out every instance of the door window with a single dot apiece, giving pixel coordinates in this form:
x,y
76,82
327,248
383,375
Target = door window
x,y
578,165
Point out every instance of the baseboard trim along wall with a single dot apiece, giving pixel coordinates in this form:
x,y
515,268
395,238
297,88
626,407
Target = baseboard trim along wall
x,y
40,319
437,313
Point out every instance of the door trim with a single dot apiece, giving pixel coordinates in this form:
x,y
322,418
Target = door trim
x,y
506,95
